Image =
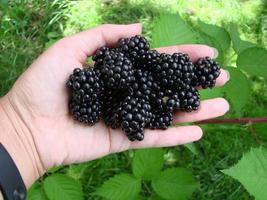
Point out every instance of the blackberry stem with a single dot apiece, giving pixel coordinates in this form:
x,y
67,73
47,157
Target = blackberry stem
x,y
234,121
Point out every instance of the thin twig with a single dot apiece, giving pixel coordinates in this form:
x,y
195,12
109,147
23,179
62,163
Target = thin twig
x,y
234,121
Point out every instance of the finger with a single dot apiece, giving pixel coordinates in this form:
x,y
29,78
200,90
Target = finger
x,y
85,43
155,138
223,78
194,51
170,137
208,109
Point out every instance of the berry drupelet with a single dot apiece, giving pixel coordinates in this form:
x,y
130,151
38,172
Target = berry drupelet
x,y
207,71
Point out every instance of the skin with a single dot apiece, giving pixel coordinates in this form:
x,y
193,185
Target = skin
x,y
39,99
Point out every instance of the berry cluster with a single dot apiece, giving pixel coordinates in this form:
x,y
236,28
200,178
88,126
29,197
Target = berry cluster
x,y
133,87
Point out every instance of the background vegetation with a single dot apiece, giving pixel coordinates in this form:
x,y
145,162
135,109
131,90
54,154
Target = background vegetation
x,y
29,27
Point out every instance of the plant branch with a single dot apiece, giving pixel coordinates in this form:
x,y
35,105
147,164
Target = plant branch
x,y
234,121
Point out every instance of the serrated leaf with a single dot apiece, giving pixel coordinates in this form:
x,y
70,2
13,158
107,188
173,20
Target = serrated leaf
x,y
120,187
175,183
210,41
253,61
147,163
238,44
61,187
238,89
251,171
36,192
217,33
171,29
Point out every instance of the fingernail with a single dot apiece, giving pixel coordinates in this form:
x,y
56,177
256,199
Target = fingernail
x,y
215,52
228,75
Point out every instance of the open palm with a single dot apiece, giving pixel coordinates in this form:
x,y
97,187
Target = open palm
x,y
41,99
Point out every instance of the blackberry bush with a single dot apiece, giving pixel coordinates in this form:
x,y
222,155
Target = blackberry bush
x,y
133,87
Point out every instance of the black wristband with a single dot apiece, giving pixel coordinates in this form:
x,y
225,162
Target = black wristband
x,y
11,183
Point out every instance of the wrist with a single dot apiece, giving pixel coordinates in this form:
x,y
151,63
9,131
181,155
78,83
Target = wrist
x,y
18,140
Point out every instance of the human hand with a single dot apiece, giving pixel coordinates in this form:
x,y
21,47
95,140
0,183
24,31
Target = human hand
x,y
39,100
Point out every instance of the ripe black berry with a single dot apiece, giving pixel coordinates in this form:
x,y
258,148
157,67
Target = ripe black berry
x,y
88,113
174,70
99,56
117,71
134,47
112,102
207,71
85,84
189,98
148,59
160,120
144,86
136,114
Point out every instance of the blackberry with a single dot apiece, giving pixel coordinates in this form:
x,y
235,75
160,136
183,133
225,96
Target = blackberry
x,y
207,71
144,86
160,120
189,98
174,70
99,56
85,84
136,114
173,102
112,108
118,71
148,59
88,113
134,47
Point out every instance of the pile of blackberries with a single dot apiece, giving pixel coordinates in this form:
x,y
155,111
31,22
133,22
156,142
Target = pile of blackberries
x,y
133,87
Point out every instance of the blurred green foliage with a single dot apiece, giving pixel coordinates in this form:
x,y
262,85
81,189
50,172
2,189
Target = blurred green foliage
x,y
27,27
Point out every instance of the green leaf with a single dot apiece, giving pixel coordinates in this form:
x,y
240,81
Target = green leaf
x,y
36,192
251,171
210,41
175,183
253,61
120,187
171,29
61,187
217,33
209,94
238,89
191,147
238,44
147,163
154,196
